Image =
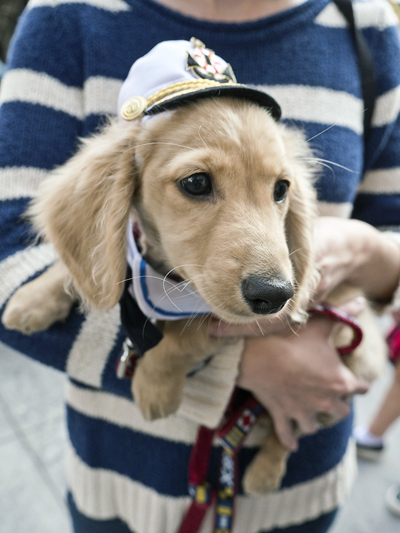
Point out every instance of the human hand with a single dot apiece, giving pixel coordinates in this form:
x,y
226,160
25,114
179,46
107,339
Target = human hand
x,y
353,251
297,377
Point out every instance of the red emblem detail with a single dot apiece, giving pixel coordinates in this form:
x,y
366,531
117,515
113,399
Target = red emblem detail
x,y
246,421
207,65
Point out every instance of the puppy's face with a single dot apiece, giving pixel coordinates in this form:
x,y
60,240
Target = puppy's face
x,y
217,180
223,196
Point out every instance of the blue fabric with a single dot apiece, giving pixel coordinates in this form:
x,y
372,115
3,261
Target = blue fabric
x,y
367,206
46,123
84,524
163,465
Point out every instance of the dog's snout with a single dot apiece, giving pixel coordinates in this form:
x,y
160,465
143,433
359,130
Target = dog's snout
x,y
265,296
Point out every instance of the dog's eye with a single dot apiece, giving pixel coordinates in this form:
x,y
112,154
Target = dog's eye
x,y
280,191
197,184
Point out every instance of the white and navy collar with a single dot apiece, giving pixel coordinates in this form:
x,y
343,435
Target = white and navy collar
x,y
161,297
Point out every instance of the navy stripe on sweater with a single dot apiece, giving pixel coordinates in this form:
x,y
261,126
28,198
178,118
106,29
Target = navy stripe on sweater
x,y
56,131
276,68
162,464
16,233
378,209
52,346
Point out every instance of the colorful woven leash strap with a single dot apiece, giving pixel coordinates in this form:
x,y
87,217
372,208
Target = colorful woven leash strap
x,y
231,435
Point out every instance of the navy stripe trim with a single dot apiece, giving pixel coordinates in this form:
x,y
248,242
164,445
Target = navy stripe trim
x,y
163,464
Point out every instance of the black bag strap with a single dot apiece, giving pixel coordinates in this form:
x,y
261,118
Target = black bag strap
x,y
365,64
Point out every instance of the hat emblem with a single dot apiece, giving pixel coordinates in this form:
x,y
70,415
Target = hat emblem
x,y
205,64
175,73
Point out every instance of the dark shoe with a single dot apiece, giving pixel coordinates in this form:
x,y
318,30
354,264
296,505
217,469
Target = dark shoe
x,y
368,446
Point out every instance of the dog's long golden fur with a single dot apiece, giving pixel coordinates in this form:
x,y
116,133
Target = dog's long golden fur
x,y
83,209
214,242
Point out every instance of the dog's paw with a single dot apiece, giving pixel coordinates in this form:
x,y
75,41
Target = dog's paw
x,y
29,311
156,397
261,480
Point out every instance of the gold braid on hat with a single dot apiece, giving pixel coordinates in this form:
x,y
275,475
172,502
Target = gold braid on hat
x,y
137,105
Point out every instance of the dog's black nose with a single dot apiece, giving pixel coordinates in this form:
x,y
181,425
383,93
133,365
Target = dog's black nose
x,y
265,296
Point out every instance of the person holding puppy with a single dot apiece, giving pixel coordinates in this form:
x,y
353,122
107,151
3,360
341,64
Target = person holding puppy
x,y
130,475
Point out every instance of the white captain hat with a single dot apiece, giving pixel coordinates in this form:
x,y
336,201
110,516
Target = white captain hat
x,y
177,72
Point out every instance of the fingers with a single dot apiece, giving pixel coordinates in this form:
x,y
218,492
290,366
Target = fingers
x,y
308,425
354,307
361,387
347,384
288,430
285,430
222,329
261,328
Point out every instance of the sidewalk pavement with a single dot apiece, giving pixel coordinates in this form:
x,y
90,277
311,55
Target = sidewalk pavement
x,y
33,444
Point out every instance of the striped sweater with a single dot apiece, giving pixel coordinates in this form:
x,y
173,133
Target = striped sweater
x,y
67,62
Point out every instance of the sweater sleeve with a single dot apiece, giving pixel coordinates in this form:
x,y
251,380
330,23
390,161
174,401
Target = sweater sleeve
x,y
40,119
42,115
378,198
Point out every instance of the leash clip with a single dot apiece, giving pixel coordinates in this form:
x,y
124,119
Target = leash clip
x,y
127,362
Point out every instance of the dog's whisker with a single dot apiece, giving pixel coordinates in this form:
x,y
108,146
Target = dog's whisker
x,y
177,288
319,160
182,266
198,132
157,142
204,319
197,312
321,132
184,281
295,251
171,289
329,168
252,330
287,320
260,328
145,276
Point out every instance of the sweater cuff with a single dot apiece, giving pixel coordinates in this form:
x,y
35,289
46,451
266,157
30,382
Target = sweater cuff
x,y
206,395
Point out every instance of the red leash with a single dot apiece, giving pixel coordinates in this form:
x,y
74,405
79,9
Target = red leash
x,y
337,315
200,491
231,434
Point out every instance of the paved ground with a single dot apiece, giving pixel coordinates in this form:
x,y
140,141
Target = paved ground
x,y
32,443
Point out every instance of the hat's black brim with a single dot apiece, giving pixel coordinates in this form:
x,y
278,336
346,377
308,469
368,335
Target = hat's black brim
x,y
240,91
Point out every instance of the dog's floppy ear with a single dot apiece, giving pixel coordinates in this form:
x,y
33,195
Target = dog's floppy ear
x,y
83,209
300,221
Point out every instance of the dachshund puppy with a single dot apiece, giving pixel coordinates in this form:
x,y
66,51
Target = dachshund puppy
x,y
222,195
